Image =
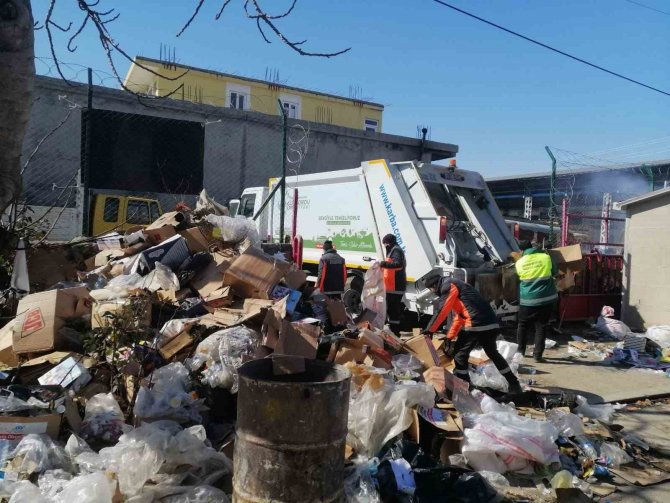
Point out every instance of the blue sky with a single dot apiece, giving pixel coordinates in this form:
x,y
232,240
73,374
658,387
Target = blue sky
x,y
499,98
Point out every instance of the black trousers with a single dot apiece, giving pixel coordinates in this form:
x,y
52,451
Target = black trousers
x,y
394,310
467,341
537,317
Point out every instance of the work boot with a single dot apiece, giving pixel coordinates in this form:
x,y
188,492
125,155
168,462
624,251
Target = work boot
x,y
539,359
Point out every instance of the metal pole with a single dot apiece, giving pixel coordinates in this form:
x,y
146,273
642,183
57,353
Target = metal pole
x,y
552,188
283,173
90,89
294,227
564,223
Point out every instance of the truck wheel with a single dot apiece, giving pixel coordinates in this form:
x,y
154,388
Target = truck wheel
x,y
352,294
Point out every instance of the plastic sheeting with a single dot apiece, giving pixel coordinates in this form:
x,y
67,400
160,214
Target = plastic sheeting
x,y
373,295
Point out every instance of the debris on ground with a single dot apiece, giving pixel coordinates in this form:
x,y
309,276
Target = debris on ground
x,y
129,379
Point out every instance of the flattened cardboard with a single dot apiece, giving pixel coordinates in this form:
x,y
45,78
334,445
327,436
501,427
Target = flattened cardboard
x,y
176,344
296,341
422,347
210,279
197,239
7,355
171,218
295,280
254,274
40,317
336,312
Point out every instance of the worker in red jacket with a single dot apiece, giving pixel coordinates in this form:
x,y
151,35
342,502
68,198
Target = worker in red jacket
x,y
474,323
395,281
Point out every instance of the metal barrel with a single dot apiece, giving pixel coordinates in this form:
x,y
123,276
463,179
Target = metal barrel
x,y
291,431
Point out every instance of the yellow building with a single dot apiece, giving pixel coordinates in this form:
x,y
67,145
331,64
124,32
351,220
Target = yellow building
x,y
225,90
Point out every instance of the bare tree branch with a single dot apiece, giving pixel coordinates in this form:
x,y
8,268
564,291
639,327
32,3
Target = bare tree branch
x,y
195,13
225,4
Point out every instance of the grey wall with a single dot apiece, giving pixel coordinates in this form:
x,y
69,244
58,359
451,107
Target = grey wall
x,y
646,277
242,148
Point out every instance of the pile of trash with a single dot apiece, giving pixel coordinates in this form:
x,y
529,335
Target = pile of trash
x,y
121,381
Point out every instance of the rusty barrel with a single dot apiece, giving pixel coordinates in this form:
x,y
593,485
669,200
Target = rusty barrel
x,y
291,430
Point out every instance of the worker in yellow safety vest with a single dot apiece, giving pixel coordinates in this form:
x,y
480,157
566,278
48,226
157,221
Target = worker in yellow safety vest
x,y
537,296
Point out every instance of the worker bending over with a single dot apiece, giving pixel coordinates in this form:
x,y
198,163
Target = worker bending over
x,y
474,323
537,296
395,281
332,274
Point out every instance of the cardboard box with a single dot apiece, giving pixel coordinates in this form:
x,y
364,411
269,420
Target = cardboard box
x,y
171,253
295,280
298,340
336,312
15,427
254,274
7,355
210,279
197,239
40,317
170,218
160,234
567,257
66,373
422,347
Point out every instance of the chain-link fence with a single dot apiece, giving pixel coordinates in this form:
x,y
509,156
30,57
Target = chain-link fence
x,y
98,159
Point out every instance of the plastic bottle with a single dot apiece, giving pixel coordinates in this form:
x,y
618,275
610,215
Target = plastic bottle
x,y
587,447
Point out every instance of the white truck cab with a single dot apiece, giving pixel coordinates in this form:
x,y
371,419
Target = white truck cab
x,y
443,217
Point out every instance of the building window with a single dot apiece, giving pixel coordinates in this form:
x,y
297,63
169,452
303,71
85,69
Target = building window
x,y
238,96
371,125
291,106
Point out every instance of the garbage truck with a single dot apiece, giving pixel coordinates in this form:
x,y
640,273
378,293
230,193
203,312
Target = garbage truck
x,y
444,218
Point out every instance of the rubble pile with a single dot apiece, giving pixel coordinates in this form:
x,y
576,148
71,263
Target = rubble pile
x,y
121,384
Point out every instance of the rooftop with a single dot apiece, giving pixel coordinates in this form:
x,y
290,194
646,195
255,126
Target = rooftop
x,y
642,198
259,81
582,171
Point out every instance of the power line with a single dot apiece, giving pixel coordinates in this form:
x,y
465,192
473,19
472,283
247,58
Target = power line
x,y
528,39
648,7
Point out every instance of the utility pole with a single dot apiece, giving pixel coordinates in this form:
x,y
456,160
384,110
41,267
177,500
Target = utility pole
x,y
552,189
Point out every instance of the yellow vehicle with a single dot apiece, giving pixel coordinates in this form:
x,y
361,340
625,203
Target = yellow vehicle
x,y
120,213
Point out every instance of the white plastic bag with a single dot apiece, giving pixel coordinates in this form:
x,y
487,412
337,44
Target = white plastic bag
x,y
660,335
233,345
359,486
52,482
26,492
161,278
517,442
373,295
37,454
567,424
103,419
608,325
198,494
602,412
92,488
169,396
376,416
241,231
614,455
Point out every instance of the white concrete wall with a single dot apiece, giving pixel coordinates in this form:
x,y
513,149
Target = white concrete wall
x,y
646,280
